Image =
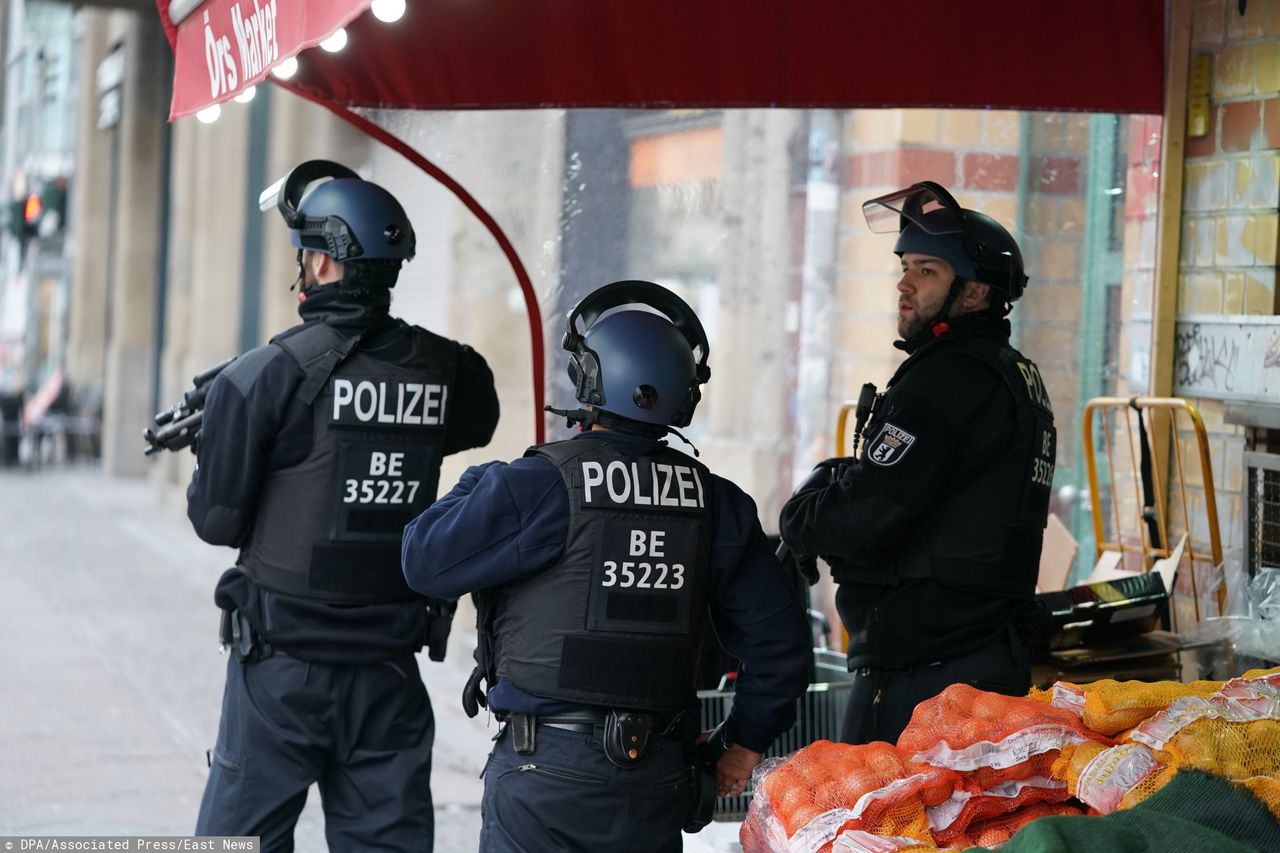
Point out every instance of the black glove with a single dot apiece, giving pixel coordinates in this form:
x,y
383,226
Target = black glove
x,y
473,695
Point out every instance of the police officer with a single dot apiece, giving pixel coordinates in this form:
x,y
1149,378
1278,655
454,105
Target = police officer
x,y
933,533
315,451
597,564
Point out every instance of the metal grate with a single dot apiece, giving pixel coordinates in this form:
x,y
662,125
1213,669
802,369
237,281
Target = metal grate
x,y
1262,510
819,716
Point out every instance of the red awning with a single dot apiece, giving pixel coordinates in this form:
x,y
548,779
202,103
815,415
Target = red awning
x,y
447,54
222,47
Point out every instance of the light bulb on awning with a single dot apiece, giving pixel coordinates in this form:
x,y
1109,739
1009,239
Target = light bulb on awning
x,y
209,114
388,11
247,95
286,69
335,42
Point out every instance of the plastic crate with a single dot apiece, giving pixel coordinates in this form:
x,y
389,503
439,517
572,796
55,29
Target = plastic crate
x,y
819,716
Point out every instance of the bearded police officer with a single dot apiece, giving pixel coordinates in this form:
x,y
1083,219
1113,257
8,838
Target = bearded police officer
x,y
596,565
315,451
933,534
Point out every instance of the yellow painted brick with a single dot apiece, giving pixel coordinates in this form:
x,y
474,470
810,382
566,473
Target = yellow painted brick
x,y
1234,242
918,126
1002,128
1206,242
1266,66
1200,293
1040,216
962,128
1250,25
1071,217
1206,185
1193,180
1186,245
1259,295
1060,259
1002,207
868,253
1263,241
1233,293
874,128
851,217
1233,72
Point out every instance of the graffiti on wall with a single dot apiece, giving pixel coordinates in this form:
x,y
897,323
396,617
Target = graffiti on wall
x,y
1233,358
1206,357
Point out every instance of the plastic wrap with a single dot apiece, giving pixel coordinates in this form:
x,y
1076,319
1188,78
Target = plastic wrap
x,y
1250,620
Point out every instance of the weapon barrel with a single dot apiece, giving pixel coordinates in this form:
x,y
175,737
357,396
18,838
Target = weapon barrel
x,y
206,377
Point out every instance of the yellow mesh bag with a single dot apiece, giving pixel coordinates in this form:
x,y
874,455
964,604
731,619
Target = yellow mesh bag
x,y
1111,707
1267,789
1072,760
1235,751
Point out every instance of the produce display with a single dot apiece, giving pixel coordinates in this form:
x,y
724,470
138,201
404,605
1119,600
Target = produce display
x,y
973,767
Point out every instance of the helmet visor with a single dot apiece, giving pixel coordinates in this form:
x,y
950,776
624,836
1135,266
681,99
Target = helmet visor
x,y
286,193
926,204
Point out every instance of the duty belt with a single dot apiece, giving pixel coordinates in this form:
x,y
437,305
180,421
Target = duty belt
x,y
625,734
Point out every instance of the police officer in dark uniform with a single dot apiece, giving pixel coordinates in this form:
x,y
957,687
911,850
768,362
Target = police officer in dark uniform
x,y
597,564
933,533
315,451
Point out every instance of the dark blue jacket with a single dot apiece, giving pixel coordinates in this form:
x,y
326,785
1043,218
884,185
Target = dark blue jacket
x,y
505,522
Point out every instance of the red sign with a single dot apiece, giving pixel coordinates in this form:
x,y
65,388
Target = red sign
x,y
225,46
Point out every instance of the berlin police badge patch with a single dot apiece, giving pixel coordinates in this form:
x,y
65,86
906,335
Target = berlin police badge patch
x,y
892,444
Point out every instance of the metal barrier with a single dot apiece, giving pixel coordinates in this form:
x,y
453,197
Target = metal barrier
x,y
819,716
1153,518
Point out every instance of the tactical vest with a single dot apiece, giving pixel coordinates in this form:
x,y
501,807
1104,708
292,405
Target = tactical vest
x,y
330,527
980,539
618,620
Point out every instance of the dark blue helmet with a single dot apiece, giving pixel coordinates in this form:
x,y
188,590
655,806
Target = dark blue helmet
x,y
347,218
636,364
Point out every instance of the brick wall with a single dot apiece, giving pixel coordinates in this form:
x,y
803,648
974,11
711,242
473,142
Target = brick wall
x,y
1231,196
974,153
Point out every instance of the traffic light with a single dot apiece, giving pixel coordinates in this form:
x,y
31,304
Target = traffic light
x,y
41,213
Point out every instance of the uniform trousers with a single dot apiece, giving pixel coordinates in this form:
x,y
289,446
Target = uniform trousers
x,y
881,699
567,796
362,732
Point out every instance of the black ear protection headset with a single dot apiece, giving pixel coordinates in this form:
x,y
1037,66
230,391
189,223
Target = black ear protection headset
x,y
584,364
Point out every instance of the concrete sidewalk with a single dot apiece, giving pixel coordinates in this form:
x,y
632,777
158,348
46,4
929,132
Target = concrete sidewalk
x,y
111,676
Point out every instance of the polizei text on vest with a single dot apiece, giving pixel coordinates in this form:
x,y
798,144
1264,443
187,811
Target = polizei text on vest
x,y
635,484
373,401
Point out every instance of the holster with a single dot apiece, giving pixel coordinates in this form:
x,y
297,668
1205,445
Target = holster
x,y
439,623
236,633
626,735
